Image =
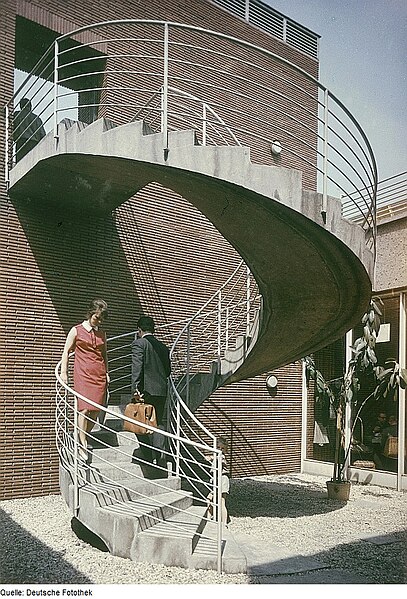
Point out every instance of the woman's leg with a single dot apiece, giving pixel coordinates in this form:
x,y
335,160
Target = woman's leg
x,y
224,509
82,427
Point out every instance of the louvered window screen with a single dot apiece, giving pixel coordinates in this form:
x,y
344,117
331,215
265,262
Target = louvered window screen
x,y
302,39
263,16
237,7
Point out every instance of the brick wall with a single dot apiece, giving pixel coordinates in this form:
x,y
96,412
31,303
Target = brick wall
x,y
155,254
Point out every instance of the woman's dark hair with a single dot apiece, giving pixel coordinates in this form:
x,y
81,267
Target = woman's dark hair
x,y
99,307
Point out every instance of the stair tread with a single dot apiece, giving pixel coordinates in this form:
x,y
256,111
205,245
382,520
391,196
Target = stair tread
x,y
146,505
189,519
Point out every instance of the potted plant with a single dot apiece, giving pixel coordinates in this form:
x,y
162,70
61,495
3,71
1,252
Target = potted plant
x,y
344,391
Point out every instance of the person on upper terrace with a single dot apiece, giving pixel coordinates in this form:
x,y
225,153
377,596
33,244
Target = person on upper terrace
x,y
28,129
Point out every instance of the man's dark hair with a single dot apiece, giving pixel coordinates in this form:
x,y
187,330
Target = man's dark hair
x,y
146,323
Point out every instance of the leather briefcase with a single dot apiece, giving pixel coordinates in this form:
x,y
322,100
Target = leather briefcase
x,y
144,413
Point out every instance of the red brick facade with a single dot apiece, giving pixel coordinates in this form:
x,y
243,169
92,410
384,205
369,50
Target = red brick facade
x,y
155,254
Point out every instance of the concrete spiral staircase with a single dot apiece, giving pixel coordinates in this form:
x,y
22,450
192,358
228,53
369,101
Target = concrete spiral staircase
x,y
313,277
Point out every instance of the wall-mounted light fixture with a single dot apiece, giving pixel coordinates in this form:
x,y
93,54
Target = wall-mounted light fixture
x,y
275,147
271,384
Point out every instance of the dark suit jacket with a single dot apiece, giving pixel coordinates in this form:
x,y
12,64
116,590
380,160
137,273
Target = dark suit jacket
x,y
150,366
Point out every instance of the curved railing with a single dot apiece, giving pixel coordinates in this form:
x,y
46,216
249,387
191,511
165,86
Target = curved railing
x,y
190,449
228,90
203,474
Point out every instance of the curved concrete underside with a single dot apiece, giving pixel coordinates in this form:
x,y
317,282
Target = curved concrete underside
x,y
313,277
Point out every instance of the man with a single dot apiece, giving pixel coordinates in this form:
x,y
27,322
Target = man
x,y
151,368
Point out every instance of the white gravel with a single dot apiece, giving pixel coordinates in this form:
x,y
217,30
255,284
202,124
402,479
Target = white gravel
x,y
290,512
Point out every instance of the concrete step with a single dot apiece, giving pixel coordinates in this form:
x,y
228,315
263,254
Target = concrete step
x,y
204,556
107,472
182,137
119,525
121,453
171,542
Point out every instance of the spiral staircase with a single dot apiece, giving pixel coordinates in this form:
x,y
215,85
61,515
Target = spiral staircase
x,y
309,281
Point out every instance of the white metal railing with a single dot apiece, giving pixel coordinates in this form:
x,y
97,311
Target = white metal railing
x,y
234,310
226,89
390,200
211,130
114,493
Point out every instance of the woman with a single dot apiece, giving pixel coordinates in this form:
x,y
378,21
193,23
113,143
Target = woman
x,y
90,374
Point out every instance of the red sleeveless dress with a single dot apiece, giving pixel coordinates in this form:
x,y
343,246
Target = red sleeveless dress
x,y
89,374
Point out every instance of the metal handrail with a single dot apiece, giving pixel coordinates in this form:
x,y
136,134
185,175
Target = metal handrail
x,y
68,448
188,439
286,101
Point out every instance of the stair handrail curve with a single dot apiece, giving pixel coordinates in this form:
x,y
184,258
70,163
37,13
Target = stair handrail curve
x,y
289,104
149,113
81,474
196,458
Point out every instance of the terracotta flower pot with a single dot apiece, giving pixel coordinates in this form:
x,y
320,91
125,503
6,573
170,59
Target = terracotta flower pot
x,y
338,490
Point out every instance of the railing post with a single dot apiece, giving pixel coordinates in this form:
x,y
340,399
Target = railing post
x,y
165,91
218,510
178,443
188,364
219,330
56,66
204,117
75,457
325,162
247,302
227,329
6,153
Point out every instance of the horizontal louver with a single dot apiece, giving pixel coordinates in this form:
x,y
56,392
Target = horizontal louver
x,y
263,16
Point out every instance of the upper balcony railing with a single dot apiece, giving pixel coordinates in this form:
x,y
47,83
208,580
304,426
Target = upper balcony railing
x,y
229,91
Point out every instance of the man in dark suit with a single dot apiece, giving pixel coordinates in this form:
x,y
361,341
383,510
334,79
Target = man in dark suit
x,y
150,366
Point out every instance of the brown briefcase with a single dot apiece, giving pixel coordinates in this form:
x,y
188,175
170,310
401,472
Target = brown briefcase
x,y
144,413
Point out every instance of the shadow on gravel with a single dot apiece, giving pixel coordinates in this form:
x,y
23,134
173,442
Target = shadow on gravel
x,y
87,536
24,559
360,562
278,500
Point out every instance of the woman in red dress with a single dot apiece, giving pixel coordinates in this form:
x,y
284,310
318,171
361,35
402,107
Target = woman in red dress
x,y
90,375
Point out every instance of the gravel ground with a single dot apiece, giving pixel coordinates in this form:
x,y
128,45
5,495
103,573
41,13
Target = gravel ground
x,y
290,512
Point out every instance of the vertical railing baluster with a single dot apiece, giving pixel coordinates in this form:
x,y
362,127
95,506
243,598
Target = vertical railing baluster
x,y
188,364
227,329
75,457
6,152
204,117
219,349
325,160
56,66
218,509
165,88
247,302
178,442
